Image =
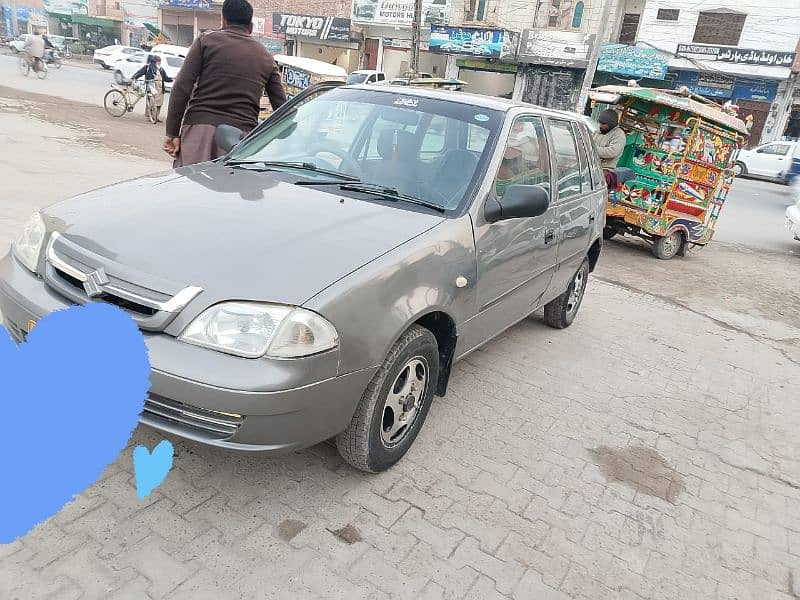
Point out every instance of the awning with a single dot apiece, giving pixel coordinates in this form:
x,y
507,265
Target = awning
x,y
95,22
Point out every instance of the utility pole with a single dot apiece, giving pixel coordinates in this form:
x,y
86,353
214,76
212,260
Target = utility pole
x,y
594,57
415,36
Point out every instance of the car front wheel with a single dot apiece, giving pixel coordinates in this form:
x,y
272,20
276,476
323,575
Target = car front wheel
x,y
739,169
394,405
561,312
118,78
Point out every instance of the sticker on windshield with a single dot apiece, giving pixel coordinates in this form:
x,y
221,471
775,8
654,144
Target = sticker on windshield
x,y
412,102
482,118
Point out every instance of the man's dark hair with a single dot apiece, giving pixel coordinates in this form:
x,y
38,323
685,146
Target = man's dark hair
x,y
237,12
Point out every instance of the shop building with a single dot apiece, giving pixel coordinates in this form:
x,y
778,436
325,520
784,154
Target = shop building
x,y
20,17
328,39
385,27
183,20
742,54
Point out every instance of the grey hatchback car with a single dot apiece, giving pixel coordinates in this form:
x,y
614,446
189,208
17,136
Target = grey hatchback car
x,y
320,280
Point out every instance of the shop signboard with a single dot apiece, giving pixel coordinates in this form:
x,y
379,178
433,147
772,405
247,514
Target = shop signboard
x,y
738,56
399,12
140,13
272,46
632,61
67,7
555,48
402,44
194,4
479,43
755,89
711,85
320,28
8,19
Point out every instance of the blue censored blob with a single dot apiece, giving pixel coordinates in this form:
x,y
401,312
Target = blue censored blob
x,y
151,469
71,397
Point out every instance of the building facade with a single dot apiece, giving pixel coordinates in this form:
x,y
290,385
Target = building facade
x,y
746,54
22,16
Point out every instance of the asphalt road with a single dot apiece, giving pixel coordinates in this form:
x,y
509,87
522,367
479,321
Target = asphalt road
x,y
80,82
754,216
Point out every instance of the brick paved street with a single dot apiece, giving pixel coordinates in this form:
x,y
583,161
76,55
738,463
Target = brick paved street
x,y
649,451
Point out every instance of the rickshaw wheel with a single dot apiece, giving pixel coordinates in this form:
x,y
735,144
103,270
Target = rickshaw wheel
x,y
609,232
668,246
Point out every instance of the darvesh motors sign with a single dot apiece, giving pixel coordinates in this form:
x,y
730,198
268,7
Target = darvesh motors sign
x,y
321,28
738,56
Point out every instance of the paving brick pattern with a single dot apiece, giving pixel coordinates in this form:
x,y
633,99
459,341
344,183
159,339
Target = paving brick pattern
x,y
647,452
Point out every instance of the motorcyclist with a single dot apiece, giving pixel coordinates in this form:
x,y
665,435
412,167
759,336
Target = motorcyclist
x,y
49,49
154,78
34,49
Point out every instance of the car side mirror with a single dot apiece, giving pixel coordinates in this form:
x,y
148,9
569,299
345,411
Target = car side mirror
x,y
518,201
227,137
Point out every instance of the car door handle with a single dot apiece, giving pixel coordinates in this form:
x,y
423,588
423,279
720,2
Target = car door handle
x,y
549,236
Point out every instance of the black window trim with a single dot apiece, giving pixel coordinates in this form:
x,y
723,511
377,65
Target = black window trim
x,y
672,11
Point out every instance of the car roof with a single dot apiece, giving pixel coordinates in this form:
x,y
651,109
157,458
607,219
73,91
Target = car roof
x,y
478,100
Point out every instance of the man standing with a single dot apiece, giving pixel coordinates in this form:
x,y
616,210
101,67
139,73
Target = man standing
x,y
221,82
610,140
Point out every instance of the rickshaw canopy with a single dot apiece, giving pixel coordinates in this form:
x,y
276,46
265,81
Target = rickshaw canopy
x,y
613,94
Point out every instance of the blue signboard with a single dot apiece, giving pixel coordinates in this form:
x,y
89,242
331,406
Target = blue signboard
x,y
484,43
8,20
198,4
710,85
632,61
755,89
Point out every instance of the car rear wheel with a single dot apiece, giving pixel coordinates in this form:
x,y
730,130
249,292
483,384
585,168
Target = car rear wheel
x,y
739,169
561,312
394,405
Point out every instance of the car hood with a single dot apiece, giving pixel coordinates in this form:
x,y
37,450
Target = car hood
x,y
237,234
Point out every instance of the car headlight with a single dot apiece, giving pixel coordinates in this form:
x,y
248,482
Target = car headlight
x,y
253,330
28,246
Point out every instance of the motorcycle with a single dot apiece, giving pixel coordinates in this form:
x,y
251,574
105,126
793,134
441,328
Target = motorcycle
x,y
53,57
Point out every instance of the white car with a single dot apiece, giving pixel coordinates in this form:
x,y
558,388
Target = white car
x,y
170,50
793,213
365,76
768,161
125,68
18,44
107,57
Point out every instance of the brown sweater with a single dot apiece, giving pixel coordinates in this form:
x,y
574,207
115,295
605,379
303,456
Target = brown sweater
x,y
222,80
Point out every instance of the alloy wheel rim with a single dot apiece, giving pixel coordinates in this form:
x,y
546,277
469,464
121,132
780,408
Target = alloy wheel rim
x,y
404,401
578,285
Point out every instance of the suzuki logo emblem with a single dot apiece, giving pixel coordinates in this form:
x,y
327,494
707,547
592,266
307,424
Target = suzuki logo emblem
x,y
94,283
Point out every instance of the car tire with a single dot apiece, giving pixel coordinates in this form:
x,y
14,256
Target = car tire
x,y
561,312
739,169
105,66
669,246
376,439
118,78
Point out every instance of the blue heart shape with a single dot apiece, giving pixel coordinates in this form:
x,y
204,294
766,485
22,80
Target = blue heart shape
x,y
151,469
70,396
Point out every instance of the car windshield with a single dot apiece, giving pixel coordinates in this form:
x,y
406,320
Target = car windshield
x,y
357,78
430,149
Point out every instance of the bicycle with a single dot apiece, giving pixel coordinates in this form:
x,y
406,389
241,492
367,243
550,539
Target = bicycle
x,y
121,99
25,66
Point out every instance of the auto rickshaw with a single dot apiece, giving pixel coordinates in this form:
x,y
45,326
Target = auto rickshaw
x,y
680,151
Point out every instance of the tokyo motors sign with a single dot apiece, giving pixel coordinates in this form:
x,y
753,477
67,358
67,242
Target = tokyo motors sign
x,y
321,28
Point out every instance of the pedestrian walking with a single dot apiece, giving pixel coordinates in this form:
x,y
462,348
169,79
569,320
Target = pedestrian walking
x,y
154,78
221,82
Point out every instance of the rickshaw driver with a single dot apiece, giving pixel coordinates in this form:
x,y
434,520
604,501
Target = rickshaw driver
x,y
610,144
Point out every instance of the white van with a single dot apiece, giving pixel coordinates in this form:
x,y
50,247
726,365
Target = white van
x,y
170,50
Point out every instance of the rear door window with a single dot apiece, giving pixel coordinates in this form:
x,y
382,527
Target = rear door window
x,y
586,171
568,166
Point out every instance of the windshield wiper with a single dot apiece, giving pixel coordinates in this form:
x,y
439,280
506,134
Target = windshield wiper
x,y
302,166
387,193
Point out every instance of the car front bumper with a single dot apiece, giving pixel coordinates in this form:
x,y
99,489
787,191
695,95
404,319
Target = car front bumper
x,y
243,404
793,220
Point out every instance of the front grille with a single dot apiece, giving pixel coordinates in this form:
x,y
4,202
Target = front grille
x,y
207,423
109,298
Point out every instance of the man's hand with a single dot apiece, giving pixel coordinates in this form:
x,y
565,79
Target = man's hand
x,y
172,145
